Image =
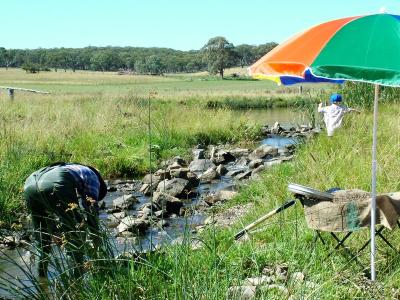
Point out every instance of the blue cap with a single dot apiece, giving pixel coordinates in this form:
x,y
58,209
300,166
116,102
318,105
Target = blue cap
x,y
336,98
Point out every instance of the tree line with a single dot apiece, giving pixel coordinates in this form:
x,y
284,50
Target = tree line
x,y
216,55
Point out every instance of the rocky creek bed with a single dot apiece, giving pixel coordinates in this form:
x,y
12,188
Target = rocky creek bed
x,y
158,208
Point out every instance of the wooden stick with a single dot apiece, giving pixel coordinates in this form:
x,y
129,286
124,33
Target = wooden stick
x,y
22,89
263,218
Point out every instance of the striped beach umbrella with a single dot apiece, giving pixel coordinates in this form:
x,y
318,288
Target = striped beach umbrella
x,y
360,48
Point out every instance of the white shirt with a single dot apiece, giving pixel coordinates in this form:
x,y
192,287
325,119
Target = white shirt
x,y
333,116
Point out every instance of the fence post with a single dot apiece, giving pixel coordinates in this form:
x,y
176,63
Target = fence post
x,y
11,93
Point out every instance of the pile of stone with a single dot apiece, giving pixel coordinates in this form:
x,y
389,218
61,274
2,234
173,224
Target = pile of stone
x,y
275,279
299,131
174,188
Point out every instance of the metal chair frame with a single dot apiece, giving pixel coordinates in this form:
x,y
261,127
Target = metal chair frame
x,y
340,242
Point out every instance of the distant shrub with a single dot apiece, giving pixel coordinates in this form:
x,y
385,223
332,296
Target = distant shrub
x,y
243,103
31,68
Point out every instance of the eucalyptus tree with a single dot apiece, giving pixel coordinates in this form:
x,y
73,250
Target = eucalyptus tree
x,y
218,54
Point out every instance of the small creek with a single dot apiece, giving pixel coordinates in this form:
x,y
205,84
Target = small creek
x,y
155,237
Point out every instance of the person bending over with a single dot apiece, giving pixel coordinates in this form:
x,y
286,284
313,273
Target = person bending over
x,y
62,198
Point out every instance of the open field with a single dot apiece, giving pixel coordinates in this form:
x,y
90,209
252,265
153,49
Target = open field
x,y
168,86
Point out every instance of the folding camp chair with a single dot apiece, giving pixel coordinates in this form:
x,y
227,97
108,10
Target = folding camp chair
x,y
312,200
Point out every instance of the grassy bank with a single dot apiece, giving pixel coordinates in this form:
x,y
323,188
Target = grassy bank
x,y
206,273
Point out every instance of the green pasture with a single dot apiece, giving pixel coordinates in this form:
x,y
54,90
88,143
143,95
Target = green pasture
x,y
170,86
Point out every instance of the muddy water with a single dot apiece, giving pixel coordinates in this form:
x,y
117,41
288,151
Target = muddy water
x,y
155,237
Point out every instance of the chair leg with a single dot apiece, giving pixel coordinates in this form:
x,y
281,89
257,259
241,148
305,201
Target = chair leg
x,y
369,241
318,236
341,242
378,233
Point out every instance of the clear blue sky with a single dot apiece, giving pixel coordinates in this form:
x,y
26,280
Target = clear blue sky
x,y
178,24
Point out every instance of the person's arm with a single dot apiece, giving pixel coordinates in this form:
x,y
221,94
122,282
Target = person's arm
x,y
92,217
354,110
320,107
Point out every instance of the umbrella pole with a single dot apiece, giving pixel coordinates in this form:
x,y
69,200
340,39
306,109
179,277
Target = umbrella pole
x,y
373,193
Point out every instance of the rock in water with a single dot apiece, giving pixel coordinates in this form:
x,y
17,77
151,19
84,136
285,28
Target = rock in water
x,y
147,189
220,196
151,178
233,173
221,170
179,173
239,152
243,175
223,157
208,175
176,160
115,218
200,165
258,170
125,202
102,204
193,179
255,163
133,224
263,151
242,162
198,154
176,187
168,203
276,128
174,166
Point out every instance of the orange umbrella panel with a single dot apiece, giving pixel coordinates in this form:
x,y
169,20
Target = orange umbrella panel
x,y
295,55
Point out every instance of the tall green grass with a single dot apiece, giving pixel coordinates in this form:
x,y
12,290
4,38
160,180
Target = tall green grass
x,y
362,94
